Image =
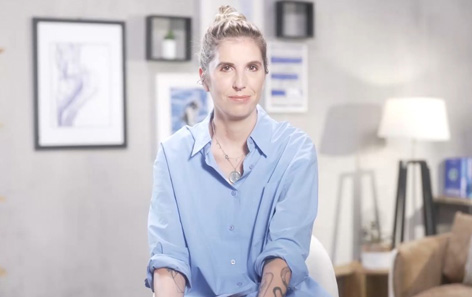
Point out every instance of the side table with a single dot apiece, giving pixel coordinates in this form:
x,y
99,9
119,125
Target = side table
x,y
356,281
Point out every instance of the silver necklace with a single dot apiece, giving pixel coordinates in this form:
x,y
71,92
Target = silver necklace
x,y
234,175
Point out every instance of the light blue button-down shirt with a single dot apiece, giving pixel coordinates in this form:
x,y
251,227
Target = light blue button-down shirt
x,y
218,234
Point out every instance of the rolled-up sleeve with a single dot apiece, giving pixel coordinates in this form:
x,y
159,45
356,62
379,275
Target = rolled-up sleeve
x,y
167,244
290,228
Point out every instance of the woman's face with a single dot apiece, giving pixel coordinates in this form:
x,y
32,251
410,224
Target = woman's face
x,y
235,78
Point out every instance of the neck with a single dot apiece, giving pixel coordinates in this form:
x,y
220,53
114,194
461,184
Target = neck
x,y
234,133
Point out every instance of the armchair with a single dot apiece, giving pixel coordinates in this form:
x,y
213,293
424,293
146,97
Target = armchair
x,y
435,265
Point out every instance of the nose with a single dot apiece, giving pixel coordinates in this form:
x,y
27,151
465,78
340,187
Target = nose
x,y
239,82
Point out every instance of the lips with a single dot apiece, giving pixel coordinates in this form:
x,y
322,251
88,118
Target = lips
x,y
240,98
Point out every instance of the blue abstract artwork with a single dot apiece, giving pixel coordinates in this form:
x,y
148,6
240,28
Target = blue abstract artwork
x,y
188,106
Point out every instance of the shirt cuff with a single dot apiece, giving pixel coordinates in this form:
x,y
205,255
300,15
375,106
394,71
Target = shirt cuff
x,y
163,261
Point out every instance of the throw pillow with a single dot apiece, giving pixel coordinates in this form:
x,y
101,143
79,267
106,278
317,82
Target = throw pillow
x,y
458,247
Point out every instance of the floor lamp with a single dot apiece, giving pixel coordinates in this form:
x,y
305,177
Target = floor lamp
x,y
416,119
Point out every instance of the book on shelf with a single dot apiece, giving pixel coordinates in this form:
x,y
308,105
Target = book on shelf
x,y
458,178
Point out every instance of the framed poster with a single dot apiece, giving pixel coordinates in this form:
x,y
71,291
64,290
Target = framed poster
x,y
180,101
286,87
79,83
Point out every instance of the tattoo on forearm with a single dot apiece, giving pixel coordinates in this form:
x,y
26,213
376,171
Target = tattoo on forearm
x,y
286,274
278,292
268,277
266,281
175,274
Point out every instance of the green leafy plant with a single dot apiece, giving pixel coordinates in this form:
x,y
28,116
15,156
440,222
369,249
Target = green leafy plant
x,y
170,35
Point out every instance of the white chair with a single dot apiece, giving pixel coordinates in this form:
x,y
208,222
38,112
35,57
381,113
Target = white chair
x,y
320,267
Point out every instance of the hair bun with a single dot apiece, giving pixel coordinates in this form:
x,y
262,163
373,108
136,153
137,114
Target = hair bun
x,y
227,12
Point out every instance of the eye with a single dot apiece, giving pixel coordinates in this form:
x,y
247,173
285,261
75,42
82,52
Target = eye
x,y
253,67
226,68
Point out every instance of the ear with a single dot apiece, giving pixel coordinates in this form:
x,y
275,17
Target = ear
x,y
202,79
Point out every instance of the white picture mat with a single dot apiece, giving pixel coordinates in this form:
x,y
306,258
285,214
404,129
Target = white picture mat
x,y
101,121
164,84
287,78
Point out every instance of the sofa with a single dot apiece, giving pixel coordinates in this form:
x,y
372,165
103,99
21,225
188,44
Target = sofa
x,y
435,266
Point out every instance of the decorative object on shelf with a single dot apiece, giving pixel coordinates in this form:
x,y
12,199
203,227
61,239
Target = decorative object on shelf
x,y
168,38
376,252
294,19
80,91
458,177
286,88
169,46
414,119
180,101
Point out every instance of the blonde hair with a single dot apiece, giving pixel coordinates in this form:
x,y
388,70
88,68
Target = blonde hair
x,y
229,23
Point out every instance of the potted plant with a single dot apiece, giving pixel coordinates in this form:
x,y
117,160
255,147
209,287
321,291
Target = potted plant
x,y
376,252
169,46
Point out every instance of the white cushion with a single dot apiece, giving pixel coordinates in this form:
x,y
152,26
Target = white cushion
x,y
321,268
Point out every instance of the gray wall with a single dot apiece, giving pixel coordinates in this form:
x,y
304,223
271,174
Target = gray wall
x,y
73,223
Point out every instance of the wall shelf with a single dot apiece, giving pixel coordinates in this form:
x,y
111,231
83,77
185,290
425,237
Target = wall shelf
x,y
294,19
159,28
453,201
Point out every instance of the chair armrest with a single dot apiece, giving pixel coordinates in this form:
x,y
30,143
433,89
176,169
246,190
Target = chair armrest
x,y
418,265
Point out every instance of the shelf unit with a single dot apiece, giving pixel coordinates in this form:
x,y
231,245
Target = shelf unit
x,y
446,207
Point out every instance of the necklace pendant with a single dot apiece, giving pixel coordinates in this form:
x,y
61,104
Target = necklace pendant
x,y
234,176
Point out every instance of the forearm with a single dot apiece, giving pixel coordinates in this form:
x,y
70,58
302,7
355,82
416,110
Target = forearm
x,y
168,283
275,278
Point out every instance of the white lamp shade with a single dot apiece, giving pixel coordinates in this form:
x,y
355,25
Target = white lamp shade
x,y
415,118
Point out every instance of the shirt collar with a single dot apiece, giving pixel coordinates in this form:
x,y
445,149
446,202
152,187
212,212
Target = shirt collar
x,y
261,134
201,134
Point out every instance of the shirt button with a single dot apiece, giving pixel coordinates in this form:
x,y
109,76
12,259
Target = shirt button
x,y
231,228
234,193
251,166
239,284
233,262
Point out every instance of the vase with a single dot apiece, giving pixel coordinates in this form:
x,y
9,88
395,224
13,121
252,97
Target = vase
x,y
169,49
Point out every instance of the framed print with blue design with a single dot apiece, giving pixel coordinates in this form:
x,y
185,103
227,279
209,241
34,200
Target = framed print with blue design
x,y
286,88
181,101
79,83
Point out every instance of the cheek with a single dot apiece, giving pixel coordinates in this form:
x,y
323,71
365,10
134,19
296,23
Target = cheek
x,y
257,83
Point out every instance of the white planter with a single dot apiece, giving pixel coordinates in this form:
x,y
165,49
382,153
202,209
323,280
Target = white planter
x,y
376,260
169,49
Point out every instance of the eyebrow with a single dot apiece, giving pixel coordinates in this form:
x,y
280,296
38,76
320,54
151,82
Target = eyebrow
x,y
232,64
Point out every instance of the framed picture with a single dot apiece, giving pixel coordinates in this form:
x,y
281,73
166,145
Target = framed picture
x,y
286,88
180,101
79,83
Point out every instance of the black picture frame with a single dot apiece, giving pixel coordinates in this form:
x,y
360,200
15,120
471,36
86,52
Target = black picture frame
x,y
295,19
157,27
79,69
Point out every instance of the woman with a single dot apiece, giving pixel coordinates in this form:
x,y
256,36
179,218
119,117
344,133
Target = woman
x,y
235,196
